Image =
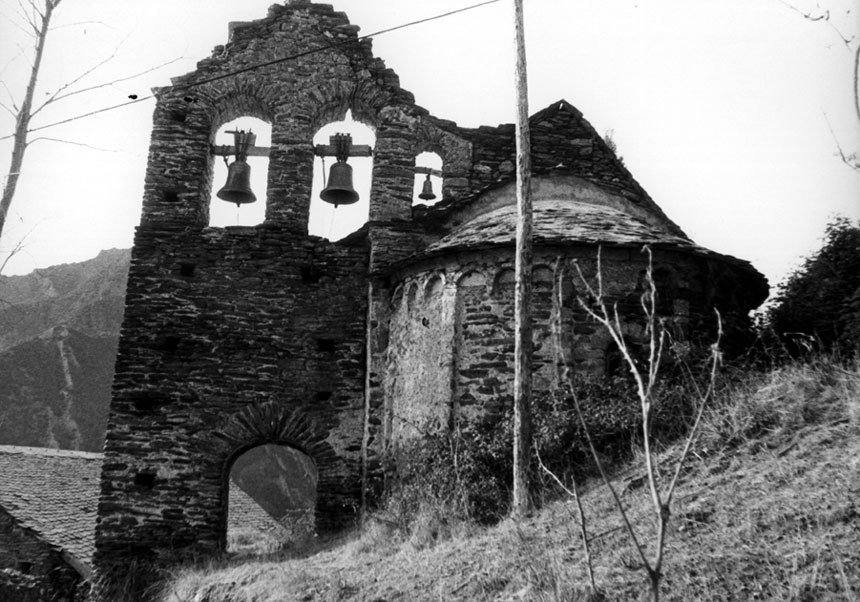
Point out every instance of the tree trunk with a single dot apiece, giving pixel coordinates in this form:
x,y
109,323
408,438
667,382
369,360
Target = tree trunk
x,y
522,304
22,123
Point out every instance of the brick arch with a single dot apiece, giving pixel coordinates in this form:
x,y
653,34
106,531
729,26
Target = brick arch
x,y
273,423
240,104
503,280
471,279
456,154
434,284
330,100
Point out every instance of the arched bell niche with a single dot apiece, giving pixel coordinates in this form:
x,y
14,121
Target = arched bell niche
x,y
223,213
325,219
272,493
432,161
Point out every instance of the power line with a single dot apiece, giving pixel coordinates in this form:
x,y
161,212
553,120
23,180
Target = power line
x,y
262,65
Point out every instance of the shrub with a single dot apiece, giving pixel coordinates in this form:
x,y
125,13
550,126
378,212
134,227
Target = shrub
x,y
819,303
466,475
773,406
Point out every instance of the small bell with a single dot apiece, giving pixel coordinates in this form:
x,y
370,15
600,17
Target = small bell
x,y
238,187
427,190
339,190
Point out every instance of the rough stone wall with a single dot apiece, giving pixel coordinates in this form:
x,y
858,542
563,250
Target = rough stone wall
x,y
30,569
217,322
561,141
470,374
241,336
238,337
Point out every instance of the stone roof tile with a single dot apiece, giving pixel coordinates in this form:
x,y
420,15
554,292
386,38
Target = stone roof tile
x,y
560,222
54,493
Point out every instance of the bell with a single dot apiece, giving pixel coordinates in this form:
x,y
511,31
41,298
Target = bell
x,y
238,187
339,190
427,190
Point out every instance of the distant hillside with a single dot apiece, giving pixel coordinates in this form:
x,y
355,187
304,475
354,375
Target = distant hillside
x,y
59,328
87,297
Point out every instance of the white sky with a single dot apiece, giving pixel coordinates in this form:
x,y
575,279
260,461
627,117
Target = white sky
x,y
718,107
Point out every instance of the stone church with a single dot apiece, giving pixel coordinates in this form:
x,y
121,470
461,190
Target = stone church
x,y
241,336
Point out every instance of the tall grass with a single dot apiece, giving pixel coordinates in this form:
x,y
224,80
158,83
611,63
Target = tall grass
x,y
774,405
753,537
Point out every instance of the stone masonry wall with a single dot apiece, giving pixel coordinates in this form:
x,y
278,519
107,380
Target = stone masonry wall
x,y
241,336
218,322
30,569
471,313
238,337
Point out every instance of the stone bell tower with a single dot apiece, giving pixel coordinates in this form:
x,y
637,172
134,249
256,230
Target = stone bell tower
x,y
243,336
240,336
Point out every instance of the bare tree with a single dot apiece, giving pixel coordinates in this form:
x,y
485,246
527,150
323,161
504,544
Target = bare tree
x,y
39,20
851,43
645,380
36,23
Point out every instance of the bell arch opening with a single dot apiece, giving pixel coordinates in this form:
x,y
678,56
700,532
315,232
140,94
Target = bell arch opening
x,y
272,495
325,219
223,213
421,189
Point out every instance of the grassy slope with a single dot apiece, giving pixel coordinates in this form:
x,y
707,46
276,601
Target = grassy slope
x,y
767,509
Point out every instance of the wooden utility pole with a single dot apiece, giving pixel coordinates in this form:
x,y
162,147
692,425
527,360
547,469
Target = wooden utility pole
x,y
523,274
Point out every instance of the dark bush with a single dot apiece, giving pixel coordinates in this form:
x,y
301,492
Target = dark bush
x,y
818,305
469,472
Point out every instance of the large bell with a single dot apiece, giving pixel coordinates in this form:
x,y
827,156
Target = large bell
x,y
427,190
339,190
238,187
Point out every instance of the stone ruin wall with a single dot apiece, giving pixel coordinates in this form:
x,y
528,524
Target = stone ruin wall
x,y
32,570
451,339
236,337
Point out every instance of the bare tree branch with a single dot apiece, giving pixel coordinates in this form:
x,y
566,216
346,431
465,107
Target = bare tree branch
x,y
847,41
17,248
78,23
11,96
57,96
645,378
17,26
22,121
574,493
98,148
10,61
851,160
9,110
30,16
703,402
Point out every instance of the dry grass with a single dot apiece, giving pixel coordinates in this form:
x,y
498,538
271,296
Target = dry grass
x,y
768,508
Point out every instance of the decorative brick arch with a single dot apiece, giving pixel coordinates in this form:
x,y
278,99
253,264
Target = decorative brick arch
x,y
271,422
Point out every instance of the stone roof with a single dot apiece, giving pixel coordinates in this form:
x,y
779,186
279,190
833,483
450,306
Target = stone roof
x,y
569,222
560,221
55,493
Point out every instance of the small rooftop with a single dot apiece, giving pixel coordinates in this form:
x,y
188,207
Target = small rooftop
x,y
55,493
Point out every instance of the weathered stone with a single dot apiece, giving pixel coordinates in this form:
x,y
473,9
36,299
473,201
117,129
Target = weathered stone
x,y
240,336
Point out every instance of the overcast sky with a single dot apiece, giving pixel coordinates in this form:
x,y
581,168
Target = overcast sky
x,y
720,109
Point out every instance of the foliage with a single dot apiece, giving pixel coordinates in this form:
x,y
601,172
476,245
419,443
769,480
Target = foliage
x,y
465,475
773,406
819,303
766,510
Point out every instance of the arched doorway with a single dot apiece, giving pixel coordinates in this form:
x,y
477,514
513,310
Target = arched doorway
x,y
272,500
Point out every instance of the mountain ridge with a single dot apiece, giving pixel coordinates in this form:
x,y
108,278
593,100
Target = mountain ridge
x,y
59,329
